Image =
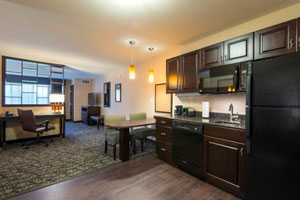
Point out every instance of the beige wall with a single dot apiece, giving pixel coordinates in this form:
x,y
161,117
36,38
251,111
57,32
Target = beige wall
x,y
81,96
138,94
67,98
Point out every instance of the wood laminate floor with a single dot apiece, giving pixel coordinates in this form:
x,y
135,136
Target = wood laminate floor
x,y
138,179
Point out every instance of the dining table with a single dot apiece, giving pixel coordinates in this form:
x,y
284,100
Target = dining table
x,y
123,127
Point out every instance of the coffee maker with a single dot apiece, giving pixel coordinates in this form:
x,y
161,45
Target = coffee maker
x,y
178,110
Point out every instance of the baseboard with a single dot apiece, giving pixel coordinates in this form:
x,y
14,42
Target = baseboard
x,y
67,120
80,121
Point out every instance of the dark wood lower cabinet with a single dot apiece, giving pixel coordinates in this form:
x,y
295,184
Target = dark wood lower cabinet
x,y
224,163
164,139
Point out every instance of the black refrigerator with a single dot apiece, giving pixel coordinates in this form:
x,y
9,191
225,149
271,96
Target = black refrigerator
x,y
273,129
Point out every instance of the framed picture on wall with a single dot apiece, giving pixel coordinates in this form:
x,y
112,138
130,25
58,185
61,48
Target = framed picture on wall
x,y
118,92
106,94
163,101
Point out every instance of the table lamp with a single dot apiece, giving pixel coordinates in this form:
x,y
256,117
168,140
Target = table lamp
x,y
57,101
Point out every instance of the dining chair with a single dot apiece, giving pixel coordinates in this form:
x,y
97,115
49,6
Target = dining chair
x,y
112,135
143,132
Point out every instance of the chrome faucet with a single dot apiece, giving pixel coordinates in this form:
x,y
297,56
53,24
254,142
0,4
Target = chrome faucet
x,y
231,111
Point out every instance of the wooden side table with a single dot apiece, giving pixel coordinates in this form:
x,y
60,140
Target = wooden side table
x,y
98,119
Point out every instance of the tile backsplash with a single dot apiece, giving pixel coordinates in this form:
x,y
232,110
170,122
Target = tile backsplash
x,y
218,103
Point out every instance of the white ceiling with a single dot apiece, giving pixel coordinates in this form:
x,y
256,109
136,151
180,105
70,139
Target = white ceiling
x,y
92,35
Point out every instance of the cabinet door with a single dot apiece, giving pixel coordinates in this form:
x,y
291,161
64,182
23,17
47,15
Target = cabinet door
x,y
224,163
212,56
173,75
239,49
190,66
276,40
298,35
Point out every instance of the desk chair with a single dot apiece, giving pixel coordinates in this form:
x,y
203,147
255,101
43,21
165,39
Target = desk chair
x,y
29,124
141,133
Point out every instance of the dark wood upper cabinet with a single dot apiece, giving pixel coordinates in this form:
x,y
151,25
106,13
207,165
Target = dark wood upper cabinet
x,y
190,67
298,34
239,49
276,40
212,56
173,75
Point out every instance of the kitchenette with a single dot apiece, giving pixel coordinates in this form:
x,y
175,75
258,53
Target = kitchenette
x,y
236,113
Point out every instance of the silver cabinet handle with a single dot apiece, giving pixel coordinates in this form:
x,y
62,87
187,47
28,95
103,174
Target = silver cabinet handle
x,y
225,57
242,152
162,149
163,122
221,58
291,43
163,133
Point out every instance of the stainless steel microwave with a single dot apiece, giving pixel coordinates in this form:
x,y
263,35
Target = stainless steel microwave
x,y
224,79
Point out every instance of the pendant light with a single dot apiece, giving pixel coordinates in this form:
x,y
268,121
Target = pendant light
x,y
151,71
132,67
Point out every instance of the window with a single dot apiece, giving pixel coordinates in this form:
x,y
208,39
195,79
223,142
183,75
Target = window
x,y
29,82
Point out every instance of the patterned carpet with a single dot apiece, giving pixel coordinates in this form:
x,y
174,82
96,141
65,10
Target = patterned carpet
x,y
82,151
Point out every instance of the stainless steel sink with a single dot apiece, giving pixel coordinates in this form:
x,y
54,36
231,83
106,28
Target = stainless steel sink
x,y
228,122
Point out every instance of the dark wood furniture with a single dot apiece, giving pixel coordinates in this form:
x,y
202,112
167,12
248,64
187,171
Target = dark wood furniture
x,y
88,111
273,41
190,72
276,40
164,139
99,119
123,127
182,73
212,56
173,75
238,49
4,119
224,158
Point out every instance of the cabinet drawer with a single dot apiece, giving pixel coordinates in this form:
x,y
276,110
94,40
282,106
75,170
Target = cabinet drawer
x,y
164,151
164,134
225,133
164,122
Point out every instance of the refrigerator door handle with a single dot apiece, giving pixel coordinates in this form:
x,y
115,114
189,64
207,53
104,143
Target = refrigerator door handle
x,y
248,130
249,84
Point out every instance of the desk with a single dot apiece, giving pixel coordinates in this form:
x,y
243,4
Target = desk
x,y
4,119
123,127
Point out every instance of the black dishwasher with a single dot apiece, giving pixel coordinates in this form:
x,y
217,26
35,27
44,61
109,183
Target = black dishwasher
x,y
188,147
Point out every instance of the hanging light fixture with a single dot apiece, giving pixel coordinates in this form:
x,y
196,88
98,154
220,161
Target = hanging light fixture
x,y
132,67
151,71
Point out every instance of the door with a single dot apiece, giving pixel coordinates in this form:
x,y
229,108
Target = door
x,y
72,102
298,34
239,49
173,75
224,164
190,77
212,56
276,40
276,81
272,165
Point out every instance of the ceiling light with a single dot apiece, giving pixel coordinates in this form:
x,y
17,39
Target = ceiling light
x,y
132,67
151,71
